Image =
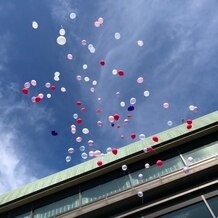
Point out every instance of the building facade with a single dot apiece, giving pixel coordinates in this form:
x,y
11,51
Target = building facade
x,y
186,185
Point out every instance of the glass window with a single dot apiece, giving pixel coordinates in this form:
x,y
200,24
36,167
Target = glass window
x,y
213,202
193,211
57,207
106,189
154,172
26,215
202,153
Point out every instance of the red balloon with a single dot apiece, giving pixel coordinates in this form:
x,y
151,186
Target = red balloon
x,y
149,148
129,115
83,109
52,88
116,116
99,163
79,120
133,135
120,72
114,151
118,125
78,103
98,110
159,163
189,126
37,99
25,91
189,121
102,62
155,139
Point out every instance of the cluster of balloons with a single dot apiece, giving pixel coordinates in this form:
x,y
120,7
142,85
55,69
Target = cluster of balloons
x,y
99,22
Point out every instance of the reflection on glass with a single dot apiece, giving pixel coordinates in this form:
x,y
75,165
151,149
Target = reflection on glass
x,y
57,207
106,189
155,172
194,211
213,202
201,153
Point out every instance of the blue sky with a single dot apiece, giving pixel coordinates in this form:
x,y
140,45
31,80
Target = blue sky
x,y
178,61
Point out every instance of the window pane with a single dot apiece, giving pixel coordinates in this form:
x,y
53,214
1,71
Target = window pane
x,y
57,207
213,202
107,189
193,211
155,172
202,153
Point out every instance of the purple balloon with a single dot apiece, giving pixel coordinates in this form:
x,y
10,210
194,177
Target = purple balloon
x,y
131,108
54,133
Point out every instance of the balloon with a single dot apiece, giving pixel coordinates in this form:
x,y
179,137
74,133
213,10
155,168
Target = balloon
x,y
33,82
73,130
114,72
140,176
140,43
146,93
98,110
37,99
63,89
101,20
99,163
116,117
79,120
57,74
56,78
191,107
61,40
83,42
83,109
53,88
92,89
48,85
189,126
117,93
133,135
111,119
71,150
94,82
155,139
97,153
122,104
102,62
117,35
69,56
41,95
82,148
91,154
99,123
186,170
131,108
120,72
25,91
118,125
140,80
84,155
68,158
33,99
109,149
99,100
75,116
169,123
189,121
90,46
48,95
159,163
72,15
132,101
166,105
190,159
149,148
142,136
79,78
26,85
145,150
54,133
78,103
86,79
114,151
85,66
35,25
79,139
124,167
126,121
92,50
73,126
85,131
147,165
90,143
62,32
97,24
140,194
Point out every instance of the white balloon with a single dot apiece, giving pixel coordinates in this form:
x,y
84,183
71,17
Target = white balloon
x,y
90,142
147,165
117,35
57,74
114,72
109,149
111,119
140,43
124,167
122,104
63,89
146,93
84,155
35,25
82,148
85,66
27,85
72,15
61,40
79,139
48,95
140,176
140,194
62,32
132,101
33,82
68,158
71,150
85,131
142,136
48,85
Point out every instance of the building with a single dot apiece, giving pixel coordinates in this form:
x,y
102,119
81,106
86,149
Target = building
x,y
186,185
